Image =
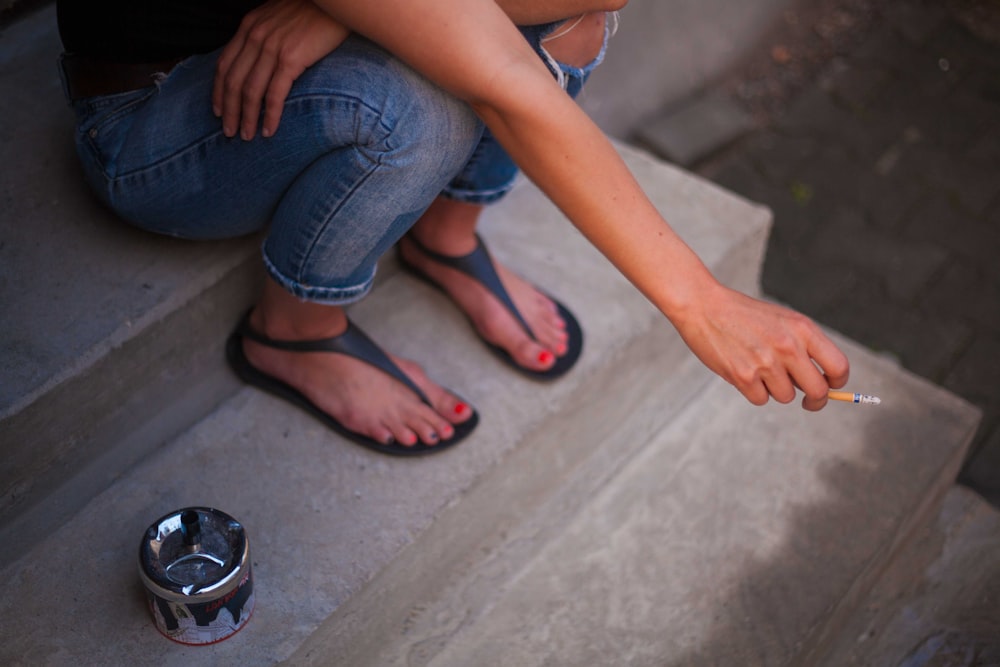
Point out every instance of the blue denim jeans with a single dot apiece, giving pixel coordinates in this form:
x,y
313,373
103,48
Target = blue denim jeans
x,y
364,146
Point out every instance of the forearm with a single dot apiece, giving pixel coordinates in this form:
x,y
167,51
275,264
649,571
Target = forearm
x,y
570,159
481,58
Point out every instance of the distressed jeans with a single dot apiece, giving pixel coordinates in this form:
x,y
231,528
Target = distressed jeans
x,y
364,146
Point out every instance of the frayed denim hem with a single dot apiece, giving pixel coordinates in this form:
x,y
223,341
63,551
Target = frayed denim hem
x,y
478,196
327,296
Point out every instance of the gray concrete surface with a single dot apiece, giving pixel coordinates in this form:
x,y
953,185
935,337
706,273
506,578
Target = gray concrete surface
x,y
91,308
327,517
933,606
738,536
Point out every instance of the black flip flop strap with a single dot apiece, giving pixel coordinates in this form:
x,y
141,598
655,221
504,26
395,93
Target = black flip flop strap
x,y
479,266
353,342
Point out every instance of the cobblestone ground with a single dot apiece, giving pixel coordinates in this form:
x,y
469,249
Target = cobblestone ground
x,y
880,156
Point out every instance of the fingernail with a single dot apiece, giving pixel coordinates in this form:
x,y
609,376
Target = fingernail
x,y
217,111
545,357
228,131
266,133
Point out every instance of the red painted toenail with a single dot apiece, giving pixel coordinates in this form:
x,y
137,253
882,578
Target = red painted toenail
x,y
460,408
545,357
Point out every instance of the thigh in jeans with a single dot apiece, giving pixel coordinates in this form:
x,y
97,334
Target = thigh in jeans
x,y
364,145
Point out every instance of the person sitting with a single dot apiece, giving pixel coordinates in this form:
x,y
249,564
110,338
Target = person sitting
x,y
345,129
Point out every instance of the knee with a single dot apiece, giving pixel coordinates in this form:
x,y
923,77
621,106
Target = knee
x,y
577,42
364,98
422,128
437,128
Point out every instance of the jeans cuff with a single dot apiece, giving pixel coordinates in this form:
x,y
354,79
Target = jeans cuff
x,y
328,296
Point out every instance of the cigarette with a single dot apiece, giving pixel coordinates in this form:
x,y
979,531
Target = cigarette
x,y
860,399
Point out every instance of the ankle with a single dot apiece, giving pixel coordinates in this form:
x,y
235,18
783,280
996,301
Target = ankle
x,y
311,323
448,227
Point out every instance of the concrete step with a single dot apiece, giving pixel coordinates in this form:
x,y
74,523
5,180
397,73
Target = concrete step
x,y
111,341
937,603
736,536
329,520
638,499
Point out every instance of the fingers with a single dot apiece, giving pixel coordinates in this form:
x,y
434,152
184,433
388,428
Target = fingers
x,y
238,78
807,360
277,92
273,46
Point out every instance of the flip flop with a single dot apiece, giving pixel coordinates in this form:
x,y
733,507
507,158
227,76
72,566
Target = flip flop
x,y
354,343
479,266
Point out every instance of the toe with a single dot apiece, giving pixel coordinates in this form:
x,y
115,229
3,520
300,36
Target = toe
x,y
533,356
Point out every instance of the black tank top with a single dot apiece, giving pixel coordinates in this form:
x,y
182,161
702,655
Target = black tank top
x,y
138,31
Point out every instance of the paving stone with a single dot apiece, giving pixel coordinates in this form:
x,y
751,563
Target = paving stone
x,y
833,181
984,83
964,49
812,114
885,46
890,198
940,221
906,268
696,129
924,344
977,373
857,87
809,286
915,24
781,157
743,176
985,151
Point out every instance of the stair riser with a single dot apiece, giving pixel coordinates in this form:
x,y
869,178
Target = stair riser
x,y
504,519
74,440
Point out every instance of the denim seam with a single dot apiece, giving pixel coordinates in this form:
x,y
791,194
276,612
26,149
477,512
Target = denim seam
x,y
376,163
215,136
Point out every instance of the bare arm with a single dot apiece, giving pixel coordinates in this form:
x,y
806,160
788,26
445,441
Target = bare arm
x,y
472,48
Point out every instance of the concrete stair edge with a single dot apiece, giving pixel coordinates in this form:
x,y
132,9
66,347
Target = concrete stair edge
x,y
501,522
821,642
937,599
614,315
137,392
778,627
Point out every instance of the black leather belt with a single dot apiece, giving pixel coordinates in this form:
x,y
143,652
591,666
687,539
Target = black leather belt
x,y
88,77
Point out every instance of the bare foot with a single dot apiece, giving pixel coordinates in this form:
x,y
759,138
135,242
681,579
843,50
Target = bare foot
x,y
361,397
491,318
